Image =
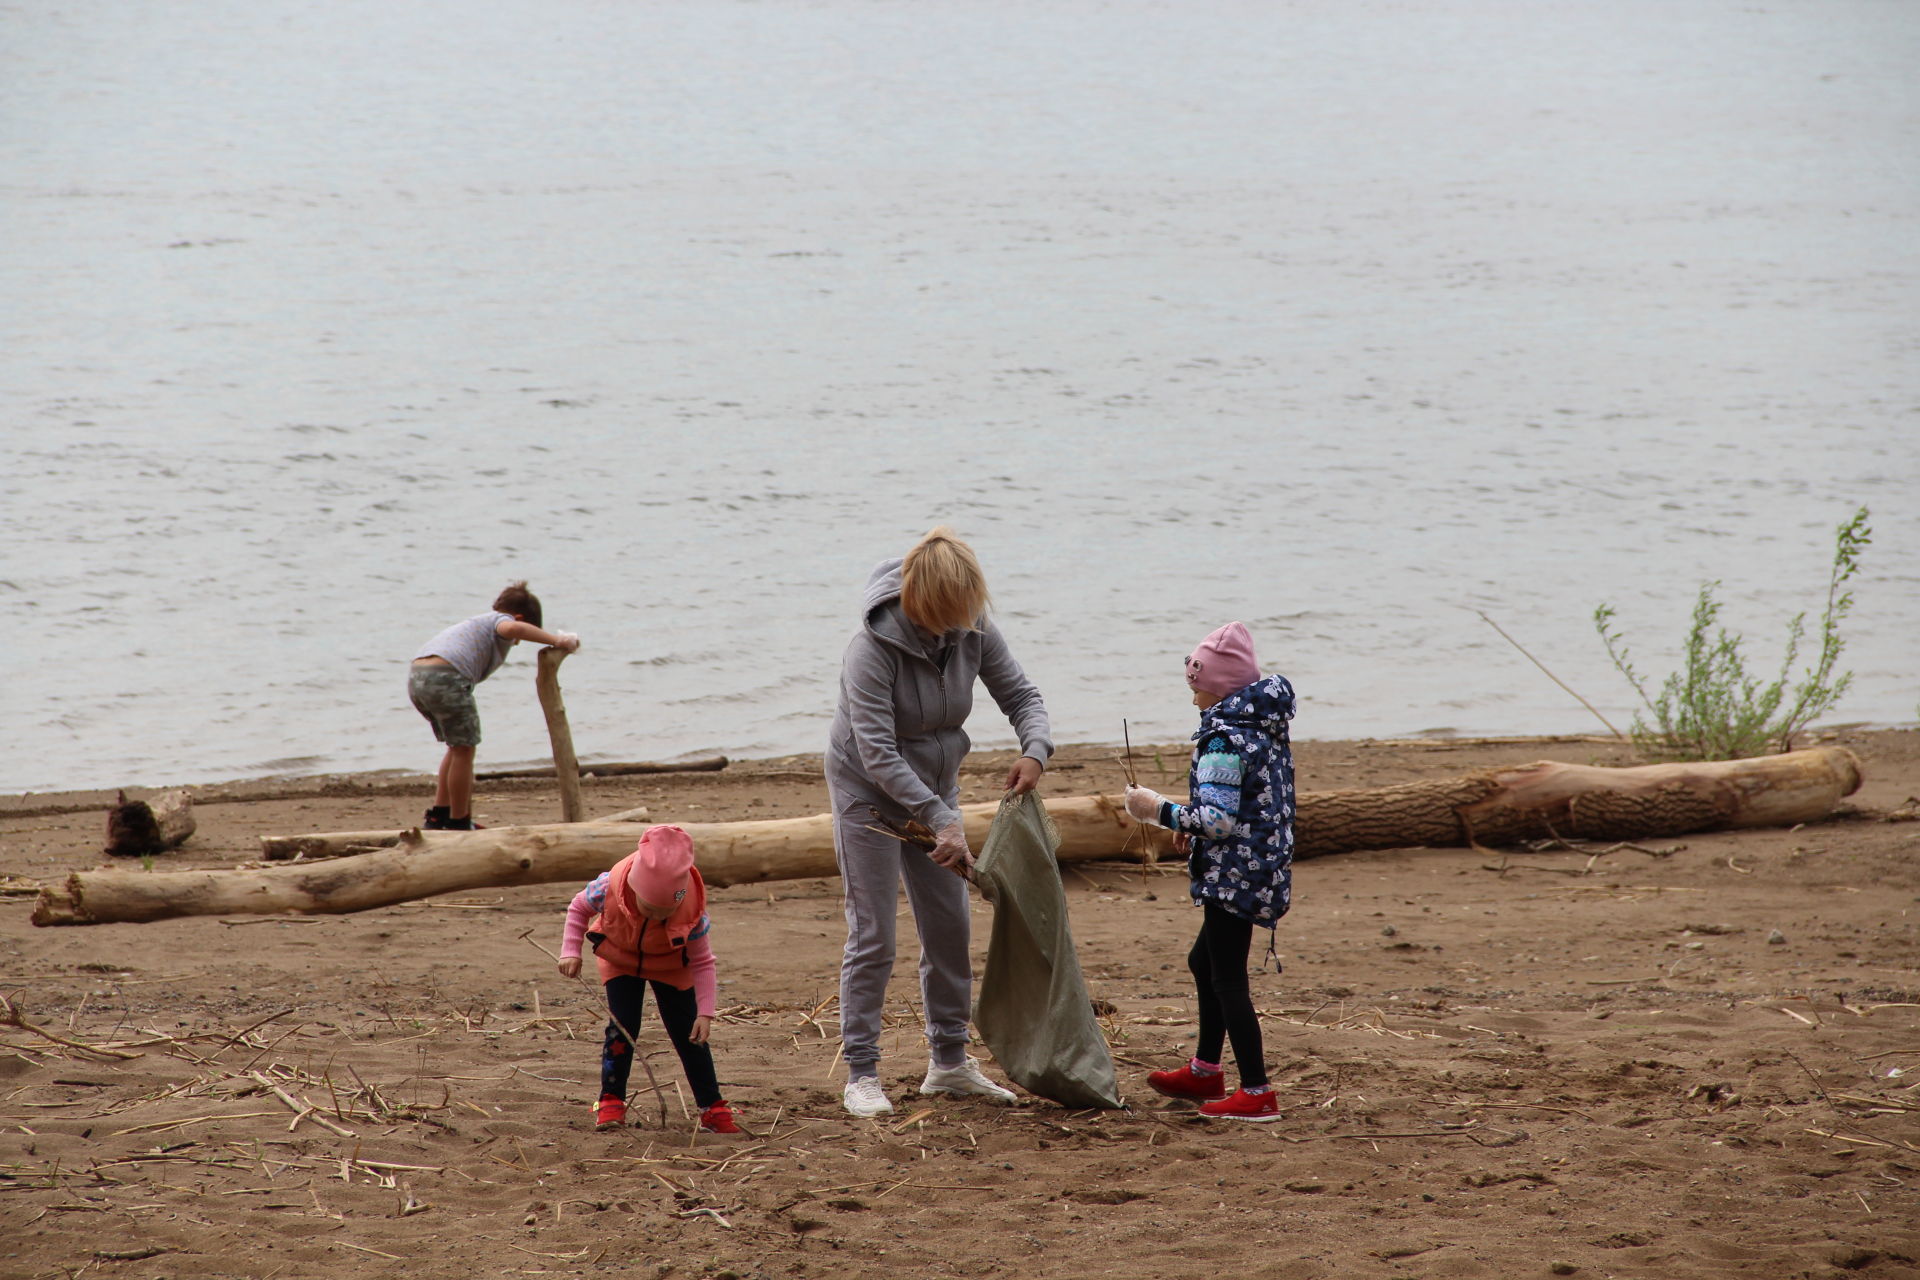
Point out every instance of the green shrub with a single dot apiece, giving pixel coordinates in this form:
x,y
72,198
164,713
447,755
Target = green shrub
x,y
1712,709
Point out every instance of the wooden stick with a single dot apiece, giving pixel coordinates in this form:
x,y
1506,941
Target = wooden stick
x,y
573,807
617,768
10,1017
633,1044
1556,679
301,1111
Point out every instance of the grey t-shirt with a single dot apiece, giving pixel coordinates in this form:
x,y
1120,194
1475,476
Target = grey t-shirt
x,y
474,647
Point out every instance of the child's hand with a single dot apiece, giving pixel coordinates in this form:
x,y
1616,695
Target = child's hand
x,y
702,1027
568,641
1143,803
570,967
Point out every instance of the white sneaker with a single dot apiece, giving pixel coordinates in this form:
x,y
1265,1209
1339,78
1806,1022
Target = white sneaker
x,y
865,1098
965,1079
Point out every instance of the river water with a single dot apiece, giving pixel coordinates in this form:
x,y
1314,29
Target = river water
x,y
323,321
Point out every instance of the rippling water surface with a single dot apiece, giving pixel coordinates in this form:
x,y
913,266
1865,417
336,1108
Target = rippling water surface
x,y
324,321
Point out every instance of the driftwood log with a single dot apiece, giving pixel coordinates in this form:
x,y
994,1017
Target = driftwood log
x,y
341,844
1494,806
566,766
136,828
615,769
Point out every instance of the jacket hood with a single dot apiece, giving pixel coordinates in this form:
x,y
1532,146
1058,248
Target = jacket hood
x,y
1267,703
883,584
883,615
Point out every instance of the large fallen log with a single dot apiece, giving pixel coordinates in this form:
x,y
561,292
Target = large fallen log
x,y
1489,807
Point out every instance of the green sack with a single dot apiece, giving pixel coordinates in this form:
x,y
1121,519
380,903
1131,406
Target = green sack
x,y
1033,1010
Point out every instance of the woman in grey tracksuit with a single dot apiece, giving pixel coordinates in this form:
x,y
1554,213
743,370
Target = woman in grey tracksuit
x,y
906,686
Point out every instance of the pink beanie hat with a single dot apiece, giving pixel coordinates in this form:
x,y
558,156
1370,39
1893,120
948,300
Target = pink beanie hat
x,y
658,872
1223,662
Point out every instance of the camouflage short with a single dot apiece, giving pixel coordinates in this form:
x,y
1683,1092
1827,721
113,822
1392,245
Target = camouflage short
x,y
445,698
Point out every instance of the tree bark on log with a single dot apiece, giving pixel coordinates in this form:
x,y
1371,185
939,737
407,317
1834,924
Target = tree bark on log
x,y
136,828
1493,806
566,766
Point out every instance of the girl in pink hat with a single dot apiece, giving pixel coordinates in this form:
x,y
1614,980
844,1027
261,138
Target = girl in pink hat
x,y
647,921
1237,831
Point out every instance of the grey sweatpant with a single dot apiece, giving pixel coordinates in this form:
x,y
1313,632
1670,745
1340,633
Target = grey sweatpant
x,y
872,865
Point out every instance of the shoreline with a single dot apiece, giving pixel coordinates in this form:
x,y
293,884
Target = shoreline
x,y
289,786
797,767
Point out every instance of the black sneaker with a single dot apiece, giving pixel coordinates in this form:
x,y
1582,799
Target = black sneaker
x,y
435,819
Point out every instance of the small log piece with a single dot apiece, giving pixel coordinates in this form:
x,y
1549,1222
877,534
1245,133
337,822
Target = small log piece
x,y
138,828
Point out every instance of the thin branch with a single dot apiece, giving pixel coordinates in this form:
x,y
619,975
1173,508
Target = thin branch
x,y
1556,679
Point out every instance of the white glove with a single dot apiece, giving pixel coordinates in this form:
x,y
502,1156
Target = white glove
x,y
950,848
1143,804
568,641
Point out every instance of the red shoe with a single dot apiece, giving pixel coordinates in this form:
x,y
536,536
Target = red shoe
x,y
1258,1107
611,1113
1187,1085
718,1118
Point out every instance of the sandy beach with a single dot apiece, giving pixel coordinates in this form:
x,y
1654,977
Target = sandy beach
x,y
1696,1057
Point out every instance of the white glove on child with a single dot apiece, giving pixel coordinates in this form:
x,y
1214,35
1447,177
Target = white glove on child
x,y
950,848
1143,804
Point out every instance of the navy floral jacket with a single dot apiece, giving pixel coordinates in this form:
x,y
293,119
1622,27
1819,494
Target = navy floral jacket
x,y
1240,817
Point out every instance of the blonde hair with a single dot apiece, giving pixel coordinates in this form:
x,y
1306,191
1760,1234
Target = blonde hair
x,y
941,585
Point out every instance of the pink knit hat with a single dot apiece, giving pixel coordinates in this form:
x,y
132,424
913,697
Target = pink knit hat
x,y
1223,662
658,872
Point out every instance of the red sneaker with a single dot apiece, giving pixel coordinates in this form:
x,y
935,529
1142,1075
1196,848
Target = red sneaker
x,y
611,1113
1259,1107
718,1118
1187,1085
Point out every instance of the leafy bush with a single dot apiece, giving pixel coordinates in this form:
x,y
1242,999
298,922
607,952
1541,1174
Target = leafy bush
x,y
1712,709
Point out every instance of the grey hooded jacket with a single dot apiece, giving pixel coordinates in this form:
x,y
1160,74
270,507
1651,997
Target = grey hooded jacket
x,y
904,697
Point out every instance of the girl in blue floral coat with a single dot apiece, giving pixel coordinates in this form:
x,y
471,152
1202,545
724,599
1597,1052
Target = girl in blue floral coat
x,y
1237,830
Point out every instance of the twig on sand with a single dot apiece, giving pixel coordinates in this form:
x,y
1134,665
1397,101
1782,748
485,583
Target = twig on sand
x,y
301,1110
10,1017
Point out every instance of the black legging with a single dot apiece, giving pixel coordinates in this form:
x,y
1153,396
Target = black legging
x,y
626,1001
1219,964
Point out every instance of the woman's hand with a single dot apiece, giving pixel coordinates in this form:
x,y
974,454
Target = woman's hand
x,y
950,848
702,1027
1183,844
569,966
1143,803
1024,776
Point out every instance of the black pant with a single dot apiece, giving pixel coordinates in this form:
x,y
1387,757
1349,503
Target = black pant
x,y
1219,964
626,1001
